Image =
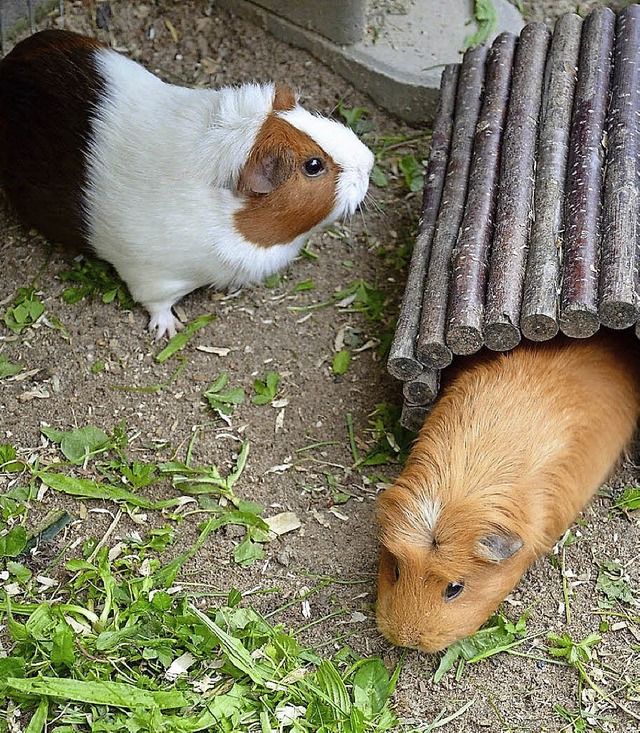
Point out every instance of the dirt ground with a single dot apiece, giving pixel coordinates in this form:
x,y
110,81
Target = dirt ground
x,y
261,332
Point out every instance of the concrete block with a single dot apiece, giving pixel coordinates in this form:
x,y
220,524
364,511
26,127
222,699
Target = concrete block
x,y
342,22
399,60
14,12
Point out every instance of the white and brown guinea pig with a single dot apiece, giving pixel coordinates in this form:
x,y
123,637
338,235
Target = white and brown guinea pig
x,y
177,188
513,450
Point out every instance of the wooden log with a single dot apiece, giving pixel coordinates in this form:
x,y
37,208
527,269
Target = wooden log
x,y
423,389
471,253
431,349
402,362
413,416
618,273
3,40
581,258
515,188
539,314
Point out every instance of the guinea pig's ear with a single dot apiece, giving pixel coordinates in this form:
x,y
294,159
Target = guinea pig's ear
x,y
498,547
264,173
283,99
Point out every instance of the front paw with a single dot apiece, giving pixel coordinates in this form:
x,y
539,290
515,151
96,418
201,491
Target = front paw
x,y
164,322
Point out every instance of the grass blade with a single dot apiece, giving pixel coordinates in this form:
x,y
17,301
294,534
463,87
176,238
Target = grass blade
x,y
235,652
116,694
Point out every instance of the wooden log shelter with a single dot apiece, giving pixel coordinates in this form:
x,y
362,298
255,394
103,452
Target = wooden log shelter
x,y
531,199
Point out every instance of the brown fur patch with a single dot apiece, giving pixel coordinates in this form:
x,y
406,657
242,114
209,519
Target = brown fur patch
x,y
296,205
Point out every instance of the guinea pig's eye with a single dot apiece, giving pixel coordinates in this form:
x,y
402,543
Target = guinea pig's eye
x,y
313,167
453,590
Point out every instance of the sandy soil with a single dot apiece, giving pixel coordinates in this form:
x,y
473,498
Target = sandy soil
x,y
262,332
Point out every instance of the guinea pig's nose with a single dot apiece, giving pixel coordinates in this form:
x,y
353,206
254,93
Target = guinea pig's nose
x,y
409,638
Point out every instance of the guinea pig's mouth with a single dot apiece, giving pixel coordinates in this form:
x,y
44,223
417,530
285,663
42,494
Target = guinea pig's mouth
x,y
411,637
352,193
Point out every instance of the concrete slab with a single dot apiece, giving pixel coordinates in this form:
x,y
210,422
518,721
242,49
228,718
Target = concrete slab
x,y
399,60
342,22
16,12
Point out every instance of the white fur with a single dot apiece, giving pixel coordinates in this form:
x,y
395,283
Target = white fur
x,y
420,522
343,145
160,200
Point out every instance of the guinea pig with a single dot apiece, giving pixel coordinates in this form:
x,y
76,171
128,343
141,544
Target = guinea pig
x,y
177,188
513,450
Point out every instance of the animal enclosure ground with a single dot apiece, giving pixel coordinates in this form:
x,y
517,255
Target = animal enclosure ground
x,y
322,437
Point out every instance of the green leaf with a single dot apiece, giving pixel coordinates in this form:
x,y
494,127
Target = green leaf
x,y
240,465
353,116
613,582
24,311
486,18
7,459
19,571
116,694
412,172
77,445
11,667
330,682
341,362
630,500
379,177
233,648
92,277
7,369
266,388
62,651
575,652
179,341
39,718
13,542
371,687
88,489
304,285
273,379
223,401
247,552
498,635
234,598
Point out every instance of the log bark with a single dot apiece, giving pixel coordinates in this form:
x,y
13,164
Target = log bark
x,y
432,350
539,314
471,253
423,389
403,362
618,274
3,43
413,416
515,189
581,258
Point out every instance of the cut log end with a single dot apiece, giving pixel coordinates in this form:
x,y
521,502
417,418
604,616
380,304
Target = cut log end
x,y
423,389
579,323
539,327
617,314
413,416
404,367
501,336
435,355
464,340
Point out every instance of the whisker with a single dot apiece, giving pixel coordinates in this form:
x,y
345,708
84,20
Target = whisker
x,y
364,218
375,206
